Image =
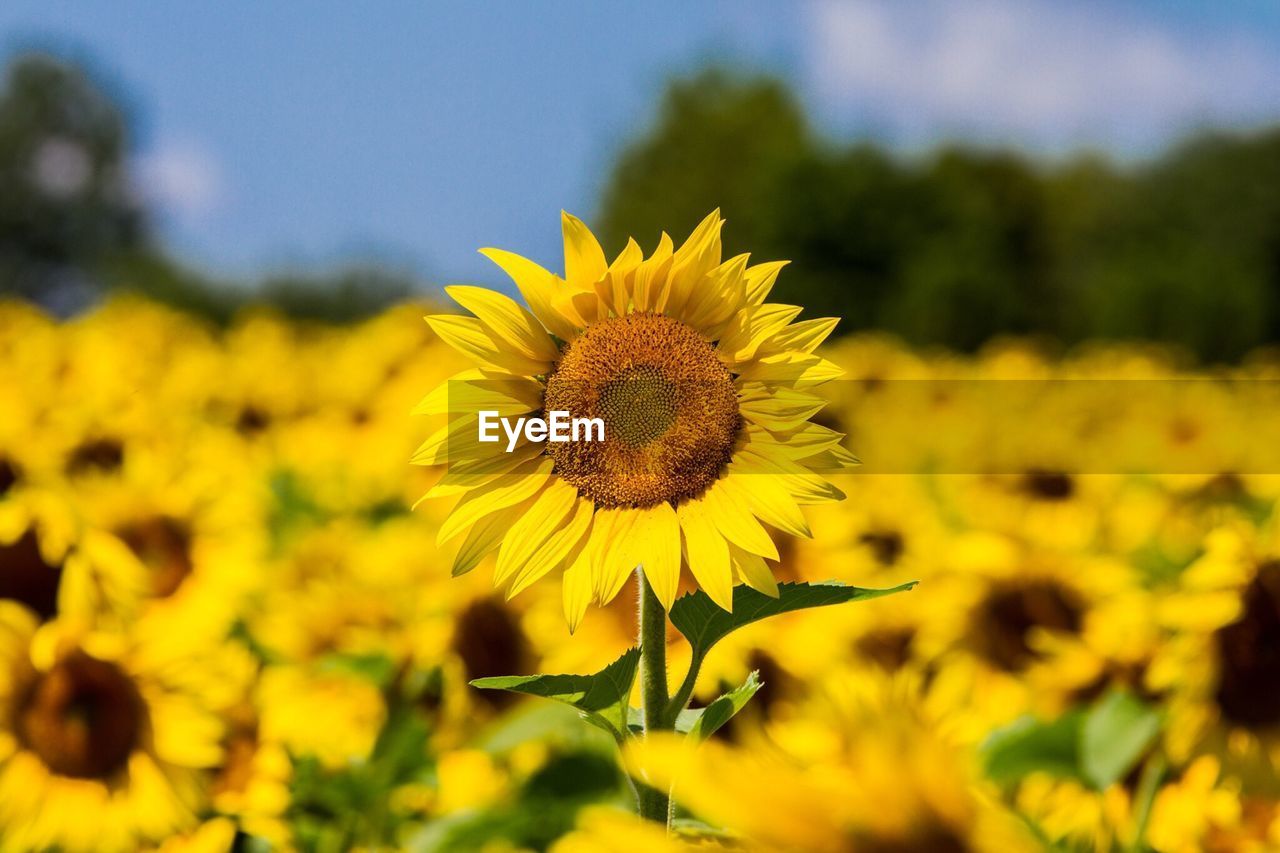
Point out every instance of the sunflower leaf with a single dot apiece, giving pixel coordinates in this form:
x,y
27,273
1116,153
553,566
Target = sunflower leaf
x,y
601,697
1028,745
1117,730
704,623
722,709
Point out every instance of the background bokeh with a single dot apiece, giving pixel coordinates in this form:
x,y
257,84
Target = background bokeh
x,y
222,624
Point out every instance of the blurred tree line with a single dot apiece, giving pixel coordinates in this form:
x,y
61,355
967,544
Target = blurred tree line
x,y
73,223
960,245
949,248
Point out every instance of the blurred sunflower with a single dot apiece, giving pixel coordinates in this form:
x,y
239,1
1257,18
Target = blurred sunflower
x,y
871,767
1221,664
705,392
101,747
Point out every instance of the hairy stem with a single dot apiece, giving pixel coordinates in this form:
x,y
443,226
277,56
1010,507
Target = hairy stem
x,y
654,804
681,699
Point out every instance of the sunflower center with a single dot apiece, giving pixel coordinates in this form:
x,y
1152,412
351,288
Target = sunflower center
x,y
26,578
82,718
10,474
1046,485
163,544
1249,651
1003,621
97,455
669,408
490,641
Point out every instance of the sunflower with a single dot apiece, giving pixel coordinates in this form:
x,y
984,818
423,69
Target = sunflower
x,y
104,743
704,391
871,766
1221,662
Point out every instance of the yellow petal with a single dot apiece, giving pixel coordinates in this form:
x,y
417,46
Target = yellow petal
x,y
707,553
833,460
716,297
506,321
614,289
777,408
752,570
770,501
699,255
559,547
522,483
459,439
543,519
760,279
541,290
808,439
733,518
804,486
486,535
655,543
468,336
750,327
575,589
800,369
475,391
611,564
649,285
804,336
584,262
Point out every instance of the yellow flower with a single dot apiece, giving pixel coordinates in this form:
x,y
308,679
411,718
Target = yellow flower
x,y
469,779
333,716
704,391
876,770
1186,811
602,829
1221,664
104,742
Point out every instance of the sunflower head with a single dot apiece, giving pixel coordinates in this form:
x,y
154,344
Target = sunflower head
x,y
668,405
703,390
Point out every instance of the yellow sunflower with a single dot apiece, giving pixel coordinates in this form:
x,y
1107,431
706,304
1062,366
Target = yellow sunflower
x,y
704,391
1221,662
105,741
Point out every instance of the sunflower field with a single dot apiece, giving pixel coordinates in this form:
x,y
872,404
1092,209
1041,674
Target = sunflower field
x,y
226,621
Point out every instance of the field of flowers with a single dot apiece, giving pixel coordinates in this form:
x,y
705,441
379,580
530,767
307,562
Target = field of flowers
x,y
223,621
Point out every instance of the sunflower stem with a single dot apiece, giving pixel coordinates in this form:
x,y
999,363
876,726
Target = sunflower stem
x,y
654,805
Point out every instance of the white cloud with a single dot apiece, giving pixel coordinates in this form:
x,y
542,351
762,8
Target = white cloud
x,y
1041,73
181,178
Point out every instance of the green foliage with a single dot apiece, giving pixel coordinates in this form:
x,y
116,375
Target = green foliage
x,y
706,721
543,809
1028,745
65,207
704,624
1114,735
961,245
1098,745
602,697
337,810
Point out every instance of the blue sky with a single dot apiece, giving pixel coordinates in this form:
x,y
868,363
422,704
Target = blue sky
x,y
274,135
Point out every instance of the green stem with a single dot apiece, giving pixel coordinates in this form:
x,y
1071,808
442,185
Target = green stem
x,y
654,804
683,694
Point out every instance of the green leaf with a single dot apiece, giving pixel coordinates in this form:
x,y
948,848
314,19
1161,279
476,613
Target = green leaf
x,y
1028,745
704,624
602,697
689,829
1098,745
1116,732
720,711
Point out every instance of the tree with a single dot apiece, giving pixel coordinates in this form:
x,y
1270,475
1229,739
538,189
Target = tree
x,y
65,205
